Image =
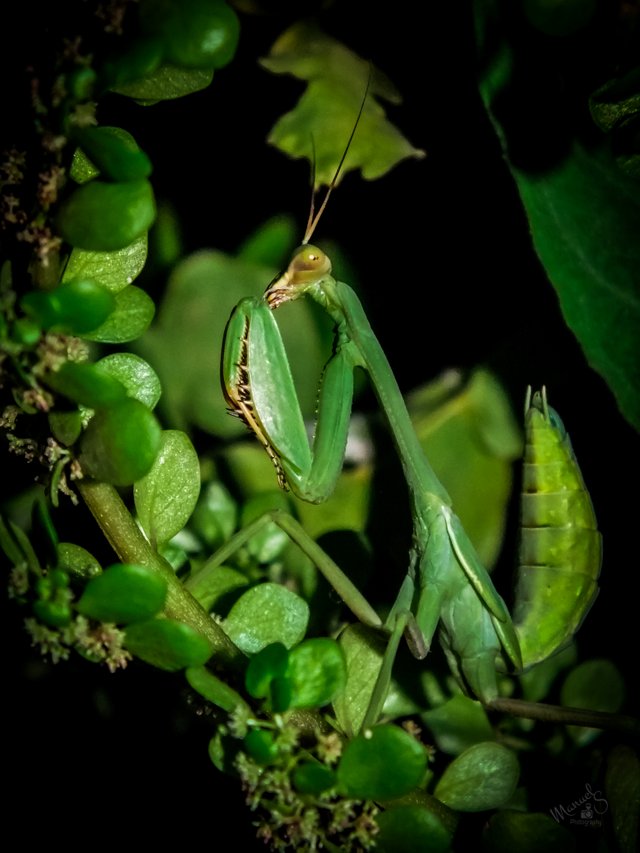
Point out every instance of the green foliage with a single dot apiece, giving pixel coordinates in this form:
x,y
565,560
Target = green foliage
x,y
382,764
482,777
313,778
325,115
123,594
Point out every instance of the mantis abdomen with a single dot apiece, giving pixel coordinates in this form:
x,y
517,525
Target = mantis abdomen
x,y
560,546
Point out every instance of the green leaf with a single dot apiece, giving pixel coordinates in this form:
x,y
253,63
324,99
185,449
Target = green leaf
x,y
269,663
458,724
121,443
597,685
113,153
217,589
84,383
317,672
113,270
138,377
267,613
131,317
65,426
622,789
527,833
584,218
101,217
214,690
216,515
383,763
77,562
269,543
166,496
363,649
261,746
74,307
124,594
165,83
483,777
327,111
194,33
167,644
272,243
184,345
311,778
470,436
406,829
537,681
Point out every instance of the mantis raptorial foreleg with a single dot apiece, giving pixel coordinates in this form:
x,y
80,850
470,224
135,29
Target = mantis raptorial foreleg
x,y
446,584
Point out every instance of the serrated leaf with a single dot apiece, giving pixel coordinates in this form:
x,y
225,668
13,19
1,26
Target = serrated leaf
x,y
120,443
130,318
326,113
167,644
317,672
405,829
165,83
166,496
381,764
458,724
113,270
483,777
138,377
267,613
123,594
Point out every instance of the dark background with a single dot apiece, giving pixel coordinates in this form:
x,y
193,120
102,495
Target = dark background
x,y
450,280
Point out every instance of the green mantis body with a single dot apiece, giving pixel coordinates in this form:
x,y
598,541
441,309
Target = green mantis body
x,y
446,584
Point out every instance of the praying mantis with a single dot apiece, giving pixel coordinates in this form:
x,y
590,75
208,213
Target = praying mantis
x,y
446,586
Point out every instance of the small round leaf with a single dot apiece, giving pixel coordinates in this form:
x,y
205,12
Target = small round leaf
x,y
271,662
381,764
113,270
317,672
261,746
405,829
138,377
267,613
101,216
166,496
120,444
73,308
84,383
129,319
77,562
312,778
123,594
114,152
167,644
483,777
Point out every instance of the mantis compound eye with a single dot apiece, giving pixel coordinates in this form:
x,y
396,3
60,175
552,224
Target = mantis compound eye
x,y
309,261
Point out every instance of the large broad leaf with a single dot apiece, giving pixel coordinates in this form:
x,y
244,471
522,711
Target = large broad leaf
x,y
583,211
320,125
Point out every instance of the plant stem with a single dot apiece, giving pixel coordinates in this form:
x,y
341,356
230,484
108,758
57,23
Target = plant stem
x,y
567,715
127,540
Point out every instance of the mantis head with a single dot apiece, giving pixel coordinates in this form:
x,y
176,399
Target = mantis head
x,y
307,266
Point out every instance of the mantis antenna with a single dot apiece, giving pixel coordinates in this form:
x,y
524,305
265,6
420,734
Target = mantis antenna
x,y
314,217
